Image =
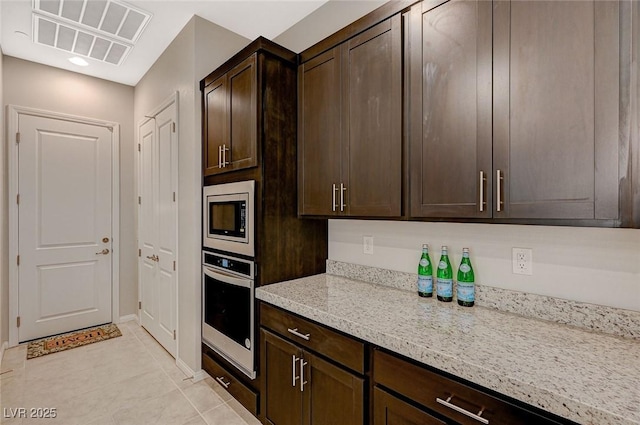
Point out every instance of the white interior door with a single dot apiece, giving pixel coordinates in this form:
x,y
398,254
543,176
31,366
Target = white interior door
x,y
64,226
158,226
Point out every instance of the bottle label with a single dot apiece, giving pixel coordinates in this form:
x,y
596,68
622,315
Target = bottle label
x,y
464,268
445,287
425,284
466,291
424,262
442,265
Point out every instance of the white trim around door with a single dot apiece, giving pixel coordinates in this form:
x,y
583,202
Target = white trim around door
x,y
13,113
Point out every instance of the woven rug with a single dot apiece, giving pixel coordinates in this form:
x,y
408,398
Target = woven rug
x,y
54,344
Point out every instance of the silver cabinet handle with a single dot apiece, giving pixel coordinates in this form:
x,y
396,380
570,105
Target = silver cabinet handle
x,y
333,194
220,156
221,380
225,149
103,252
343,189
294,378
463,411
295,332
483,180
302,381
499,179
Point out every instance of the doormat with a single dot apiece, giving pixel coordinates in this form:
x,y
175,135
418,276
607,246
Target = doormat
x,y
55,344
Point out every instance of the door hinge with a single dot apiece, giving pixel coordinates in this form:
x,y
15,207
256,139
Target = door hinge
x,y
18,137
139,252
174,197
139,305
139,200
18,260
139,147
174,266
18,199
18,321
173,126
174,334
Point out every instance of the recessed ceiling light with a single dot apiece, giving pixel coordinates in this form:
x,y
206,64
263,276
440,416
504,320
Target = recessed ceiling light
x,y
78,61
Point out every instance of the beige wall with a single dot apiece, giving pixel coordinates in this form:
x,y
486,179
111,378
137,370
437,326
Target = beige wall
x,y
4,225
38,86
324,21
199,48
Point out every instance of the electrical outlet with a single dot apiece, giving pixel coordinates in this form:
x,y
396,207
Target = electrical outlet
x,y
522,261
367,245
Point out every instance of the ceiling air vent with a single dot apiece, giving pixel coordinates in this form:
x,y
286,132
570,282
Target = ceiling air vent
x,y
103,30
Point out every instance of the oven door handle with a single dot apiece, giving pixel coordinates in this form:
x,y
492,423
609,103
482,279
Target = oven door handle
x,y
227,278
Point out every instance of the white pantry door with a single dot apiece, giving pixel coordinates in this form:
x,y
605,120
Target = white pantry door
x,y
64,226
157,224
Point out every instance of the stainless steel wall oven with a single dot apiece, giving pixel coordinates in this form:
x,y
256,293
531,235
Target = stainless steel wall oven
x,y
228,309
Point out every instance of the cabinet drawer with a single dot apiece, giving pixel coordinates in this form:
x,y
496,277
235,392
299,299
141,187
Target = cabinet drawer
x,y
446,396
338,347
245,395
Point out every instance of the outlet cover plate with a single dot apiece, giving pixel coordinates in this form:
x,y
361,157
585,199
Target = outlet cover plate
x,y
367,245
522,261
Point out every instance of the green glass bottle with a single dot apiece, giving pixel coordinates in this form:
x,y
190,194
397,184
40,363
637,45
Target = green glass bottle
x,y
466,288
444,278
425,274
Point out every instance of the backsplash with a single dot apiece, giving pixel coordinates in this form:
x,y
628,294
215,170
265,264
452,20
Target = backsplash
x,y
591,265
625,323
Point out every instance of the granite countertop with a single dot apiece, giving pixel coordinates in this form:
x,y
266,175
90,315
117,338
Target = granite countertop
x,y
584,376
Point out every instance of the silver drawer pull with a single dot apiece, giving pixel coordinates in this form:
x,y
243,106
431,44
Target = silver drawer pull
x,y
221,380
463,411
298,334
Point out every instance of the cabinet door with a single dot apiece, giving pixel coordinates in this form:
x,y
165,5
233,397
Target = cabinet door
x,y
389,410
449,91
243,116
281,381
215,125
372,111
331,394
319,135
556,91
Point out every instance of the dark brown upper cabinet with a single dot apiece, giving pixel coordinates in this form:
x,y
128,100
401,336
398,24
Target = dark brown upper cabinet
x,y
515,111
230,120
350,126
449,90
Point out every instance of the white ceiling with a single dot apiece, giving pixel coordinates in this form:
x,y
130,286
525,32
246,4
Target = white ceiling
x,y
250,19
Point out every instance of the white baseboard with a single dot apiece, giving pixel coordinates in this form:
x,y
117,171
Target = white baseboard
x,y
129,318
200,375
3,348
197,376
185,368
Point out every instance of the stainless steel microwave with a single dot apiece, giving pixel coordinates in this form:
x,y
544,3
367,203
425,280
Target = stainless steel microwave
x,y
228,217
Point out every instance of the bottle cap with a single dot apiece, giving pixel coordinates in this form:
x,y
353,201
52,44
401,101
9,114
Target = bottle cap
x,y
465,249
425,245
444,247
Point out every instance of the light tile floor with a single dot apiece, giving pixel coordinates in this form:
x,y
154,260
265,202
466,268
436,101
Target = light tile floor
x,y
129,380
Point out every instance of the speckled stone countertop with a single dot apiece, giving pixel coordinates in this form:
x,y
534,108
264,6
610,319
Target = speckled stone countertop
x,y
584,376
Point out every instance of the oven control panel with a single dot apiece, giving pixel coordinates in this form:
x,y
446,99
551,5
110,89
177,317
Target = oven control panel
x,y
230,264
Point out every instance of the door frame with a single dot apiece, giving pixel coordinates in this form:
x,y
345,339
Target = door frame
x,y
13,113
173,99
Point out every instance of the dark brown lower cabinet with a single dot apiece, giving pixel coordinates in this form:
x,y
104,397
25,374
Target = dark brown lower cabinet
x,y
390,410
300,388
454,401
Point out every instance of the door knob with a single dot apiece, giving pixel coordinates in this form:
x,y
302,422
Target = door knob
x,y
103,252
105,240
154,257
